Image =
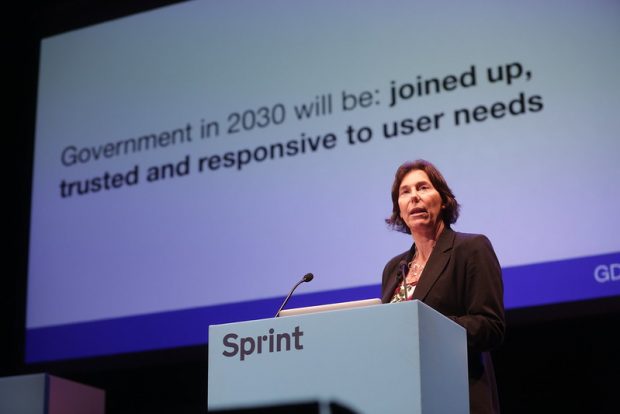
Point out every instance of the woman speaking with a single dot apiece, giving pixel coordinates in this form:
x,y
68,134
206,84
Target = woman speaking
x,y
457,274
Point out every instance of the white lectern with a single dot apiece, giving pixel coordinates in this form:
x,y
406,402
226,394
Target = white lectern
x,y
397,358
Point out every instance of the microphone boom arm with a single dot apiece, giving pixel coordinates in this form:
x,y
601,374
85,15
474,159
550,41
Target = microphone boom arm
x,y
308,277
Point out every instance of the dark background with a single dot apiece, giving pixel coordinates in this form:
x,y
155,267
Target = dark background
x,y
564,358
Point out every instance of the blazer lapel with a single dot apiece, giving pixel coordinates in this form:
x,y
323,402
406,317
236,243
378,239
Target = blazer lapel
x,y
388,293
436,264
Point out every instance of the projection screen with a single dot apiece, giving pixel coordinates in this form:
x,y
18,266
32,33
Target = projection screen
x,y
193,162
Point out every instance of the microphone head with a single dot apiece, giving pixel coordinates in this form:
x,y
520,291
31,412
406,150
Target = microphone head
x,y
308,277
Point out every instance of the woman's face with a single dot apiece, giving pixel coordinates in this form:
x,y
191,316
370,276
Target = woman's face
x,y
419,203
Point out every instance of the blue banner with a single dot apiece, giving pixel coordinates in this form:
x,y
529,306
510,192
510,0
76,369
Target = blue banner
x,y
525,286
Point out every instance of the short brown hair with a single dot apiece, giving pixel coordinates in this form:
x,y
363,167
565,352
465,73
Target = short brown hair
x,y
450,213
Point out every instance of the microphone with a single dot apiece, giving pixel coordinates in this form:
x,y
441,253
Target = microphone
x,y
402,277
307,278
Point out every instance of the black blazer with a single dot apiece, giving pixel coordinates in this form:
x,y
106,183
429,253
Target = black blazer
x,y
462,280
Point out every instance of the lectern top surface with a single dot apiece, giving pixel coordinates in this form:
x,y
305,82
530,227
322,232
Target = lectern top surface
x,y
330,306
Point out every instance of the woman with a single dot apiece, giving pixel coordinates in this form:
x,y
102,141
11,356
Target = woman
x,y
455,273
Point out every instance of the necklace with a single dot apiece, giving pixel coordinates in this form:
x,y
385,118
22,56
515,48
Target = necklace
x,y
415,269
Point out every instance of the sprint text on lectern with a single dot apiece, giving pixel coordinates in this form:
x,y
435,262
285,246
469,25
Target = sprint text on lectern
x,y
271,342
